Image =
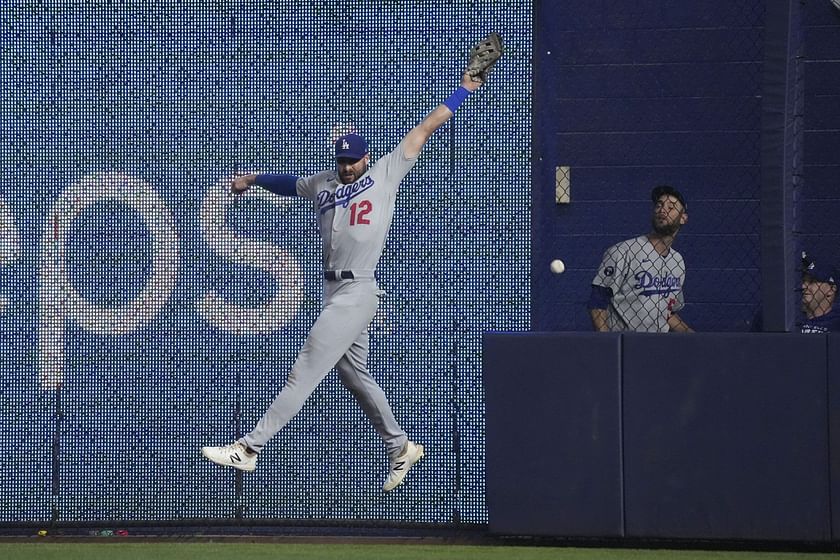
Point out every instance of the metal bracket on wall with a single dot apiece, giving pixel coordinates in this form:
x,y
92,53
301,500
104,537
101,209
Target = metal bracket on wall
x,y
562,184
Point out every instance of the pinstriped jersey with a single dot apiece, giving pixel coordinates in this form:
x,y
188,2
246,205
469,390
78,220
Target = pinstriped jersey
x,y
354,219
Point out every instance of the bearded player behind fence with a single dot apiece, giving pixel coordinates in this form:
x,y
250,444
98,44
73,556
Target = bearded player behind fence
x,y
639,285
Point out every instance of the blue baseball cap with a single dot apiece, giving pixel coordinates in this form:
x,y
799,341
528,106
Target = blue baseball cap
x,y
351,146
820,273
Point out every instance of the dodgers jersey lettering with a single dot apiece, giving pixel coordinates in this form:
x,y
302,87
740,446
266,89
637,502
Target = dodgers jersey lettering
x,y
647,287
354,219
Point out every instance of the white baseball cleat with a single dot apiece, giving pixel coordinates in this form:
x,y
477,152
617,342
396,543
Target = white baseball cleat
x,y
235,455
400,465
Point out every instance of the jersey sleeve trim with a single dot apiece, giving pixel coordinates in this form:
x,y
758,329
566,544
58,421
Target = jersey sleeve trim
x,y
599,297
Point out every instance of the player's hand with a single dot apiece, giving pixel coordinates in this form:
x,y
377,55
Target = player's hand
x,y
469,83
241,183
483,56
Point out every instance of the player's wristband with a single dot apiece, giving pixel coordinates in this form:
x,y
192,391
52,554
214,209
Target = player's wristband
x,y
454,101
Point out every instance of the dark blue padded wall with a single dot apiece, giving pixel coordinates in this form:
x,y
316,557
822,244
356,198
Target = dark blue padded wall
x,y
834,429
712,436
632,96
725,436
821,190
553,437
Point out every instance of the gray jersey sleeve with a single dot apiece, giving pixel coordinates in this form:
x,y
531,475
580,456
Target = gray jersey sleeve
x,y
307,187
612,271
395,166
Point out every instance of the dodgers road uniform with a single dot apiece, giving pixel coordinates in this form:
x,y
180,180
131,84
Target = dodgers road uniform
x,y
355,206
353,222
647,287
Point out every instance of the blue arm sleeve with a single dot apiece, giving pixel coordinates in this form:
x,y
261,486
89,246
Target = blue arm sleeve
x,y
282,184
599,298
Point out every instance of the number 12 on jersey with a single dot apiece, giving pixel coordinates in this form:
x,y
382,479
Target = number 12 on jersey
x,y
359,212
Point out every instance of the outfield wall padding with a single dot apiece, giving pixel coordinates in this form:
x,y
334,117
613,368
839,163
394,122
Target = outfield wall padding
x,y
725,436
714,436
833,382
553,407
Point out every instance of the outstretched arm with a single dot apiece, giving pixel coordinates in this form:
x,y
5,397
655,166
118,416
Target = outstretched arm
x,y
420,134
483,56
282,184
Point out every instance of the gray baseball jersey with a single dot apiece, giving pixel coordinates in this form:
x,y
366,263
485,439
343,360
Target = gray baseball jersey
x,y
353,221
647,287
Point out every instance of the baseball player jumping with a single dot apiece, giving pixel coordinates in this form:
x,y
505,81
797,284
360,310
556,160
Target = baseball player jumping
x,y
355,204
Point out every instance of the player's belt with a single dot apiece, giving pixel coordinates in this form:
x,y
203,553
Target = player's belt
x,y
339,275
357,274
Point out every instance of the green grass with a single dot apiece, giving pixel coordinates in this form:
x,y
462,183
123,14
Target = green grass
x,y
49,550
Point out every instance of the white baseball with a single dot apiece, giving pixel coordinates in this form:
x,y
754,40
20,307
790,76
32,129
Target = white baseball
x,y
557,266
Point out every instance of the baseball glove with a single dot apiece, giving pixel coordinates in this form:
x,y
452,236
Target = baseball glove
x,y
483,56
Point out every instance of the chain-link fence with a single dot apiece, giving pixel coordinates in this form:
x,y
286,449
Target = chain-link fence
x,y
639,284
816,312
646,97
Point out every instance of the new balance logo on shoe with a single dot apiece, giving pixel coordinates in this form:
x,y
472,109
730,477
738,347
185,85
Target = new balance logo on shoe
x,y
401,464
235,455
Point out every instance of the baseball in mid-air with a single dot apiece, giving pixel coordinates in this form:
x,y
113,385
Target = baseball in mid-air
x,y
557,266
